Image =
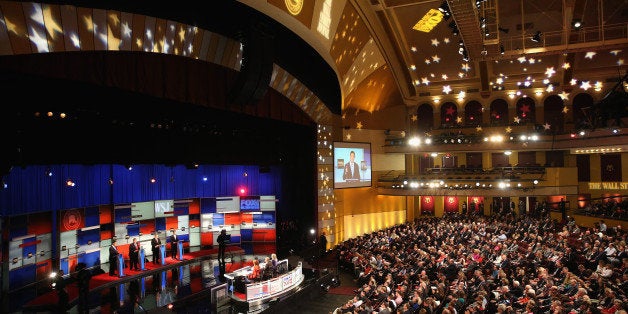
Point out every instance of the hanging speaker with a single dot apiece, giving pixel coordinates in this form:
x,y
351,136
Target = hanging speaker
x,y
257,64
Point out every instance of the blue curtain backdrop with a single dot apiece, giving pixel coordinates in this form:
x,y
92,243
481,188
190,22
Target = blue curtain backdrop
x,y
44,188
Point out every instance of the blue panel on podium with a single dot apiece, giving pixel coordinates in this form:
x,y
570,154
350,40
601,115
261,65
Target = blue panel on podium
x,y
120,265
162,252
142,259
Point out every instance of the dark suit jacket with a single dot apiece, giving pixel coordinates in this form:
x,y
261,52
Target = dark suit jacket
x,y
173,241
347,173
154,244
113,254
133,250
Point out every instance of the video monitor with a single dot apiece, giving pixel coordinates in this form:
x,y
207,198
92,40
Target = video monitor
x,y
352,165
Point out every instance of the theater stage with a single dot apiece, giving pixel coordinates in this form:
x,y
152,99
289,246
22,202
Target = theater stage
x,y
103,282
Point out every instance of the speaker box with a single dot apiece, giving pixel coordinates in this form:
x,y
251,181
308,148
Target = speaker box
x,y
257,64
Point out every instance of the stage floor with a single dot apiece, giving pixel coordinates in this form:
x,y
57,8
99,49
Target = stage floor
x,y
157,285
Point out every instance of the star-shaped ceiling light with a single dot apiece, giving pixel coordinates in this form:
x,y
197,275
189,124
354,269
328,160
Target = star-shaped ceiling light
x,y
427,61
446,40
615,52
435,42
598,86
450,111
573,82
550,88
499,81
348,136
547,126
425,81
446,89
413,49
413,117
549,72
517,119
565,109
585,85
478,129
358,125
508,130
460,74
459,120
590,55
444,76
462,95
566,65
521,59
436,59
620,62
531,60
465,67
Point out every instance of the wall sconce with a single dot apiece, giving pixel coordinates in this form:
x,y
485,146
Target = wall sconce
x,y
42,253
89,242
536,37
76,246
126,237
30,255
63,248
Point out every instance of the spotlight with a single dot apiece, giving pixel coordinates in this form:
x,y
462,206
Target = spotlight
x,y
482,22
153,180
48,172
444,8
576,24
130,167
535,182
537,37
69,182
501,49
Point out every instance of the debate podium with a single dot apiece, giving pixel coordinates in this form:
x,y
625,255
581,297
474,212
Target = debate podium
x,y
180,250
120,265
142,259
162,254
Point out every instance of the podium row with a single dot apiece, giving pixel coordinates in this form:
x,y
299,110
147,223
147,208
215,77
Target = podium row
x,y
142,257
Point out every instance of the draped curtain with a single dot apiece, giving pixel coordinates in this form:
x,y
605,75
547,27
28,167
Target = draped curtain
x,y
44,188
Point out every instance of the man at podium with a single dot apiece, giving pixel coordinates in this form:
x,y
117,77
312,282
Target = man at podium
x,y
173,245
352,169
154,244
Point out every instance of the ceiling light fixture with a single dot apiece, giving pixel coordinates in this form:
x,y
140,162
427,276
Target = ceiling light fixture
x,y
576,24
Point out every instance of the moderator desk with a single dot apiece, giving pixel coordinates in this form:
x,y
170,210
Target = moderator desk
x,y
259,292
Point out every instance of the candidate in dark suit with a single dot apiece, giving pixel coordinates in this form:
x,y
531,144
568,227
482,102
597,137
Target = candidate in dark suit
x,y
352,169
113,258
173,245
154,244
134,251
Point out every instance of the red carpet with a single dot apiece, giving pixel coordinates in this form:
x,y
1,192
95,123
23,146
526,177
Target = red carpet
x,y
97,281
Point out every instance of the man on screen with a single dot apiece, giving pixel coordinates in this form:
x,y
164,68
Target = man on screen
x,y
352,169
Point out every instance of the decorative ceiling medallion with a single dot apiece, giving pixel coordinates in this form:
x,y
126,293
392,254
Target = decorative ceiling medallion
x,y
294,6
